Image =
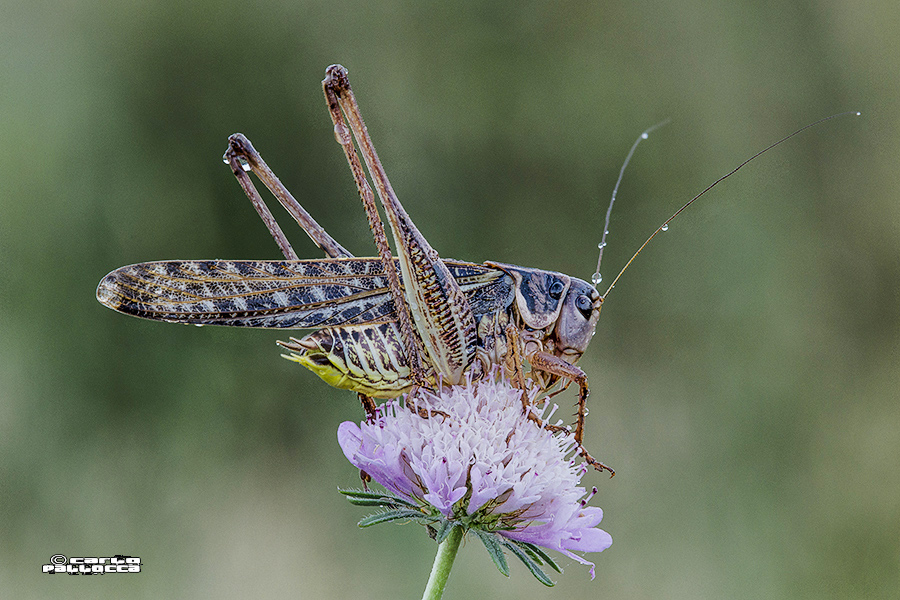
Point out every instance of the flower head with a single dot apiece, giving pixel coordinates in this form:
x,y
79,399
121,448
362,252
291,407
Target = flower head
x,y
477,462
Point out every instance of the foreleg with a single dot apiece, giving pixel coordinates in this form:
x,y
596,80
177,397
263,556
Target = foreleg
x,y
554,365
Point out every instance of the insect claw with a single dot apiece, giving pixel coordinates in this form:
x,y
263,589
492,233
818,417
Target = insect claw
x,y
599,466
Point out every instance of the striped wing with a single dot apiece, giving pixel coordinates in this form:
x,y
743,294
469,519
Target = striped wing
x,y
304,294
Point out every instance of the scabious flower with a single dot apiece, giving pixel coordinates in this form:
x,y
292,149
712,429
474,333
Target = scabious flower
x,y
476,462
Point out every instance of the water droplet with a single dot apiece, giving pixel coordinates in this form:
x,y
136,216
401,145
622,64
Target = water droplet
x,y
858,113
665,227
225,160
243,162
596,278
644,136
198,324
601,245
342,134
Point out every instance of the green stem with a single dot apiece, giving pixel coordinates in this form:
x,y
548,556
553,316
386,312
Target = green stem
x,y
442,563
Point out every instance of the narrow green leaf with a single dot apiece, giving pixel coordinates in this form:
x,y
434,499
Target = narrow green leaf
x,y
531,553
390,515
529,563
366,498
495,549
541,554
385,502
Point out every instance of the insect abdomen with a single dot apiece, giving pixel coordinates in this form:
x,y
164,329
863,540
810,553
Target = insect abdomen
x,y
363,358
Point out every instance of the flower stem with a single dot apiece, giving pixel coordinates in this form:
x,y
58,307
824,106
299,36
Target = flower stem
x,y
442,563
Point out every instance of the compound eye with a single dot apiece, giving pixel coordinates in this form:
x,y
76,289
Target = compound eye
x,y
583,303
556,289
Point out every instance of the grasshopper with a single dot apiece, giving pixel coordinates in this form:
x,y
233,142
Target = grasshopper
x,y
382,325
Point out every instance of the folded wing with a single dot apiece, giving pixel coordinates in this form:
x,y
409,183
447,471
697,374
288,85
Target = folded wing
x,y
305,294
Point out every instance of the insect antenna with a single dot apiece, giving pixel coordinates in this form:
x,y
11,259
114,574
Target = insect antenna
x,y
596,278
665,225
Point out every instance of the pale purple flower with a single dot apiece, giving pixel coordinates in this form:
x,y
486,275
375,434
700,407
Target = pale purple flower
x,y
480,463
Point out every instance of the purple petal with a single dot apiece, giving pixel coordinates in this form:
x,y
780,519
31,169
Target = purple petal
x,y
383,464
582,561
350,440
590,540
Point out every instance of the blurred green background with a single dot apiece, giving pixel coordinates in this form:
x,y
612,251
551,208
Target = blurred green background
x,y
745,372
